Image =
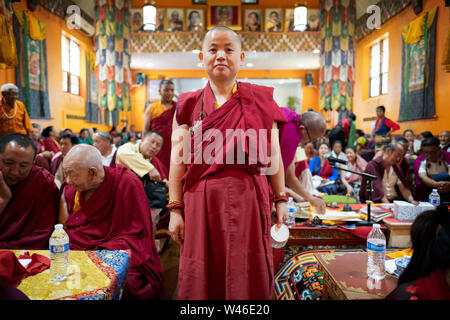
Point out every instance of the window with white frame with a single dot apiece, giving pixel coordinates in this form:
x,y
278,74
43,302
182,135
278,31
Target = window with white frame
x,y
70,58
379,66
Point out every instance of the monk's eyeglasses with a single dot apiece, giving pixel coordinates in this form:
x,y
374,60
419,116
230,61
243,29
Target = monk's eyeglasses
x,y
307,132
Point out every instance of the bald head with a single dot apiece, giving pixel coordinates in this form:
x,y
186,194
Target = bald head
x,y
86,156
211,32
83,168
314,124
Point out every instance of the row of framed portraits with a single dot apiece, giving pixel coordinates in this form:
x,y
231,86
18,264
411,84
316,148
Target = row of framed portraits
x,y
257,20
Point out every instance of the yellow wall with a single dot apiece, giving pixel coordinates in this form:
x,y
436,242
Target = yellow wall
x,y
310,94
61,103
364,106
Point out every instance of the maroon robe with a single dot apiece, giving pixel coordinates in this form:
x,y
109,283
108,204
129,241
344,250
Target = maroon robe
x,y
29,218
163,172
117,217
163,124
227,251
376,167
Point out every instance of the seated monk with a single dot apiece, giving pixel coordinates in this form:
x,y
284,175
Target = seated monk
x,y
389,177
28,196
140,157
106,208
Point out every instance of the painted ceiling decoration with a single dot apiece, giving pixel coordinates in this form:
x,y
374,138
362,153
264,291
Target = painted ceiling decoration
x,y
251,41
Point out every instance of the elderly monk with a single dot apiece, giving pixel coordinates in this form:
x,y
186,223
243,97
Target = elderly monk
x,y
389,177
28,196
141,157
158,117
222,196
14,116
106,208
104,143
300,129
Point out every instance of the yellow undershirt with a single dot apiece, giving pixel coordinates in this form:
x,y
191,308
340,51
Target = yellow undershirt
x,y
232,91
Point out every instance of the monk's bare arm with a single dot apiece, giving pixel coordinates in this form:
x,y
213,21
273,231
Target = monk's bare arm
x,y
180,137
63,214
277,179
294,183
147,121
5,194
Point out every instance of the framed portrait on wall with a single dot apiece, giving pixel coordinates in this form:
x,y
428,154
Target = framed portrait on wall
x,y
136,19
253,20
160,19
289,20
175,19
313,18
224,13
195,20
273,20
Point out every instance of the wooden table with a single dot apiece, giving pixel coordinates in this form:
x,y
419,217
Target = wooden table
x,y
400,232
93,275
345,278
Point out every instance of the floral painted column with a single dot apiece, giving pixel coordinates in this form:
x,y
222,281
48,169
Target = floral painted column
x,y
337,54
112,61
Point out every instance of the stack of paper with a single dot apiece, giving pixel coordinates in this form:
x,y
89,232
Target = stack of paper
x,y
377,212
338,215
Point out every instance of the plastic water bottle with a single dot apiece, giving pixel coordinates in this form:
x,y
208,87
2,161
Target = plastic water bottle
x,y
376,253
291,210
434,198
59,254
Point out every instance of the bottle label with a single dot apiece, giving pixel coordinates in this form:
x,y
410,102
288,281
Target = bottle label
x,y
59,248
375,247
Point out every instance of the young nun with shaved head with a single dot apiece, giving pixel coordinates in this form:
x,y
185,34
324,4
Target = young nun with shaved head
x,y
225,174
107,208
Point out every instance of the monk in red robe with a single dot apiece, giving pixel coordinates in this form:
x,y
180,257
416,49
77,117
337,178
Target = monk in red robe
x,y
28,196
158,117
106,208
219,198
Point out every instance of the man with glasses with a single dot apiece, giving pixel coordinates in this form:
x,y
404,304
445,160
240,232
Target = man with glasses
x,y
390,184
13,115
300,129
434,171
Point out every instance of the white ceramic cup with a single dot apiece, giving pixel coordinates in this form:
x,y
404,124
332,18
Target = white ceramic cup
x,y
279,236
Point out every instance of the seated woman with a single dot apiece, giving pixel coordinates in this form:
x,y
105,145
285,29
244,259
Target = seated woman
x,y
337,151
434,170
356,163
320,166
427,276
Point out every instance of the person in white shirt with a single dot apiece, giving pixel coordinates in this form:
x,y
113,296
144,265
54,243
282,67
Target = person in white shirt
x,y
104,143
444,139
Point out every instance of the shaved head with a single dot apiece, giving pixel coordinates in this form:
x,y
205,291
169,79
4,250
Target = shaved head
x,y
314,121
210,33
84,155
83,168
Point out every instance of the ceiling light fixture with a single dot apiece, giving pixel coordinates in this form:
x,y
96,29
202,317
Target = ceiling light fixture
x,y
249,65
149,14
300,17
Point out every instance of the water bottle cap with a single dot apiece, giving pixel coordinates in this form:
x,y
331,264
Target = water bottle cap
x,y
291,199
58,226
376,225
434,190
